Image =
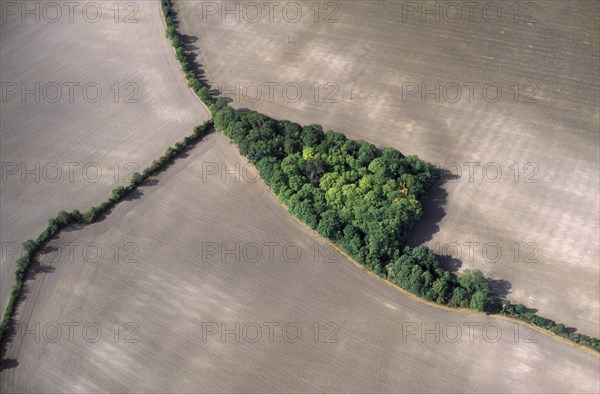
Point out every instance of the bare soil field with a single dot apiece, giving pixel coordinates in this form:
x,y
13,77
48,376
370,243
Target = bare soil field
x,y
89,95
515,119
161,315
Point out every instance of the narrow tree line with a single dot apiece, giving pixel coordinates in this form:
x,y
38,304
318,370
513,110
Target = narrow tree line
x,y
64,219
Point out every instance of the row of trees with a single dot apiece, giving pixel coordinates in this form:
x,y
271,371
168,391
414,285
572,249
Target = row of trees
x,y
64,219
519,311
419,272
180,54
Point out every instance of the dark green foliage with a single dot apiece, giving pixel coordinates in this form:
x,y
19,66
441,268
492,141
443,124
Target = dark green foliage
x,y
76,216
479,300
180,54
312,135
460,298
371,207
329,226
63,218
418,271
196,85
204,94
91,215
171,32
519,312
136,179
165,5
173,36
30,247
477,288
118,193
169,154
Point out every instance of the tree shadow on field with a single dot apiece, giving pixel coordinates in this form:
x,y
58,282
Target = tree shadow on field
x,y
73,227
38,266
499,287
433,210
151,182
131,196
136,194
449,263
42,261
189,44
8,364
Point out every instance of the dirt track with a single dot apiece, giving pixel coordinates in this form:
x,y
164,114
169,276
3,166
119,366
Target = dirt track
x,y
174,300
535,228
71,142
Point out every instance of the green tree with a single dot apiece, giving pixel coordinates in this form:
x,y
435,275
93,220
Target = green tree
x,y
460,298
560,328
473,280
330,225
312,135
30,247
63,218
478,300
441,287
136,179
118,193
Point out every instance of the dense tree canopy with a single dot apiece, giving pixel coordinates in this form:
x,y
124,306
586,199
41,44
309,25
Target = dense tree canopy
x,y
363,198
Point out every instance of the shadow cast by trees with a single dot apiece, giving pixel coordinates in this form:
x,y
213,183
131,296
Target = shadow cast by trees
x,y
37,266
449,263
433,210
73,227
189,44
8,364
499,287
131,196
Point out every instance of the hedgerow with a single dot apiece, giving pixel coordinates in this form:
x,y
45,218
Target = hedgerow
x,y
64,219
